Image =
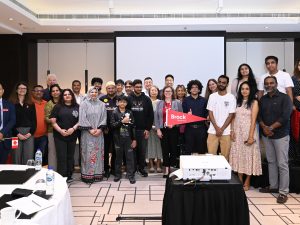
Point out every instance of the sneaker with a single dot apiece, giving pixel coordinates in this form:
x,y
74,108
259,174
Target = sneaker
x,y
132,180
281,199
143,173
116,179
268,190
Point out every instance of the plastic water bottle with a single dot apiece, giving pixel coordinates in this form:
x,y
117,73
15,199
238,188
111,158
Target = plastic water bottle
x,y
38,159
50,181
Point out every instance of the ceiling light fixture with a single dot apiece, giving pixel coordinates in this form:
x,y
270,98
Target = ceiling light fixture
x,y
220,6
266,27
11,19
48,52
111,6
68,29
86,72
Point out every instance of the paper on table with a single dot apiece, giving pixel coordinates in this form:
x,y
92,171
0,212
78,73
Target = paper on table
x,y
30,204
178,173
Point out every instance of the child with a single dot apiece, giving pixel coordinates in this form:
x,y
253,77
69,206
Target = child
x,y
122,123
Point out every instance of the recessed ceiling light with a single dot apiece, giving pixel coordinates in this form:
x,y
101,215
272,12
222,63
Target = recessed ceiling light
x,y
266,27
11,19
68,29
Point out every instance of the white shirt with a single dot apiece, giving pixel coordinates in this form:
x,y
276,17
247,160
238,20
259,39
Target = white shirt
x,y
79,98
221,106
284,81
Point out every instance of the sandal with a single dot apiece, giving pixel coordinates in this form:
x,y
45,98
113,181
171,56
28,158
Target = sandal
x,y
159,170
151,170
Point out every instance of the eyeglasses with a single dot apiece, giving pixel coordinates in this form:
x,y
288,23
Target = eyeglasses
x,y
37,90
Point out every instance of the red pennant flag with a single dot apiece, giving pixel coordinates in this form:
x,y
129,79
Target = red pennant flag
x,y
14,142
174,118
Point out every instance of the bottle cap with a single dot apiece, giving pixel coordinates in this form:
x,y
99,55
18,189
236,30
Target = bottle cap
x,y
50,167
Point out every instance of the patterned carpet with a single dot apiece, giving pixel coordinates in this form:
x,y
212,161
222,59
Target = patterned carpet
x,y
103,202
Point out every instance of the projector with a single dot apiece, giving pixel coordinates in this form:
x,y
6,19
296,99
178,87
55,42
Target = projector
x,y
205,167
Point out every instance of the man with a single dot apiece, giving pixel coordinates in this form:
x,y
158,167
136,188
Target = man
x,y
147,85
40,134
120,87
169,82
110,101
274,114
128,87
51,79
7,122
195,133
76,87
97,82
285,83
141,107
221,106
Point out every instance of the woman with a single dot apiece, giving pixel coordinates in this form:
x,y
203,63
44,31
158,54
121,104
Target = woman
x,y
25,124
244,74
154,147
180,92
92,121
55,92
64,117
211,87
245,155
167,134
295,118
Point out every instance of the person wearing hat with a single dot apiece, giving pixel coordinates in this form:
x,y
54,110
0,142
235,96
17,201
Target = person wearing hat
x,y
110,101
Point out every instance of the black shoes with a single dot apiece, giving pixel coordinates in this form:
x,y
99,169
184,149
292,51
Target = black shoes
x,y
281,199
106,174
132,180
116,179
143,173
268,190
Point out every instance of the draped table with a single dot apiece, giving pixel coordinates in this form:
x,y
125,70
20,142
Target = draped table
x,y
59,214
205,203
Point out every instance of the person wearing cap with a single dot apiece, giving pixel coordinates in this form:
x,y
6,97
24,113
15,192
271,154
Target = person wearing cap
x,y
110,101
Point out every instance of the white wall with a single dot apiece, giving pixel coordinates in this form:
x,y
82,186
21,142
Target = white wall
x,y
256,53
67,61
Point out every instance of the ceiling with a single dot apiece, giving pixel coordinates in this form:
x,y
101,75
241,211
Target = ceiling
x,y
84,16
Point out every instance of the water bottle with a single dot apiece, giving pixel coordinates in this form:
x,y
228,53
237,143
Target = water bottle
x,y
38,159
50,181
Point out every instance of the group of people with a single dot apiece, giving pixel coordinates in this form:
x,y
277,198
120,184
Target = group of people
x,y
129,121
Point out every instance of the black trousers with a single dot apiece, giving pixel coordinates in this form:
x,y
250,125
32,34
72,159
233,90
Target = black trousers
x,y
169,143
123,145
65,156
5,147
140,149
195,140
109,147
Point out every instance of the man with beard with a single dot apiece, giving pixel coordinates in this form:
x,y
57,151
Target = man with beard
x,y
110,101
274,114
97,82
141,107
221,109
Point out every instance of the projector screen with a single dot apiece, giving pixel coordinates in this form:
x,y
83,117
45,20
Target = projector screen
x,y
185,57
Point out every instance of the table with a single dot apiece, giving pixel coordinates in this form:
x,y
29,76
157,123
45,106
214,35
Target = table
x,y
59,214
211,203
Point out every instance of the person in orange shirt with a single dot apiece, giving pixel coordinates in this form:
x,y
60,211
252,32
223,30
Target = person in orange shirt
x,y
40,134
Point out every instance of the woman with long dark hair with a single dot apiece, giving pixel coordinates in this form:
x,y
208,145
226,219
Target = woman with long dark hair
x,y
167,134
64,117
245,157
55,92
245,73
25,124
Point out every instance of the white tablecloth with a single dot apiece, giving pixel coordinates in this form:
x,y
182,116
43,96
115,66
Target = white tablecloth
x,y
59,214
